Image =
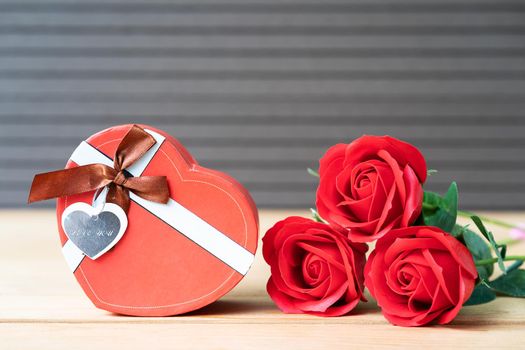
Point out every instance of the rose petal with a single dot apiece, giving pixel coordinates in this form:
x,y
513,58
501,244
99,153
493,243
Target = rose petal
x,y
366,147
414,197
466,287
364,186
378,200
328,253
318,291
386,209
450,273
323,304
354,265
281,300
314,270
401,270
343,183
438,272
270,238
430,283
330,165
460,253
339,310
365,172
401,245
357,210
396,171
288,281
375,281
420,301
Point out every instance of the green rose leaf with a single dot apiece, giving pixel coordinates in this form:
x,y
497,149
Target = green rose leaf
x,y
458,230
480,251
316,216
441,211
481,295
431,202
516,265
312,172
511,284
490,237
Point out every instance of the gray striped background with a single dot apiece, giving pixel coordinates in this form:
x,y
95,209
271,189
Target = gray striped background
x,y
260,89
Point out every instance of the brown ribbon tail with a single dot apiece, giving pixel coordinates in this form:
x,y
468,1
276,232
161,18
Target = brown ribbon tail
x,y
132,147
152,188
118,195
70,181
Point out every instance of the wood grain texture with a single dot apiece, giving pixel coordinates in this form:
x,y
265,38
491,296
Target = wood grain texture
x,y
260,89
41,306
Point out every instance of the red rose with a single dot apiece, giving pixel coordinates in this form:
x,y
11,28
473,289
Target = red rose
x,y
420,274
371,186
315,269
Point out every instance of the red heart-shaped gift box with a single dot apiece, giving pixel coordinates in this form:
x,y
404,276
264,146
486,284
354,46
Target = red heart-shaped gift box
x,y
155,269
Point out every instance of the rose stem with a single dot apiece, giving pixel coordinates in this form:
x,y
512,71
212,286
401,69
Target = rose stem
x,y
493,260
509,241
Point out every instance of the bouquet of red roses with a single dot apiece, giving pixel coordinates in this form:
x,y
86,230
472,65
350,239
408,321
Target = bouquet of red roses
x,y
424,266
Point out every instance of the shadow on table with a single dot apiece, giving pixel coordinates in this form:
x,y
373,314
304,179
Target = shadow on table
x,y
255,306
231,307
244,306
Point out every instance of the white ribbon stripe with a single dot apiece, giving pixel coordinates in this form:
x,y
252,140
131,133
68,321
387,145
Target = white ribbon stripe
x,y
172,213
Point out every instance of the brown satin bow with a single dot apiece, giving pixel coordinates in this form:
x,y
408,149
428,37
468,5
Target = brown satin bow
x,y
94,176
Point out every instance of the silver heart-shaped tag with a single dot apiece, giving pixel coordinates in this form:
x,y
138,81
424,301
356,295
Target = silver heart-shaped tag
x,y
92,230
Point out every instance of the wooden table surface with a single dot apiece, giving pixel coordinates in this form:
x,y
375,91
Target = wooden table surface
x,y
42,307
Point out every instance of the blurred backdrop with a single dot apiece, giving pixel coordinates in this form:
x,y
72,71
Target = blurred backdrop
x,y
260,89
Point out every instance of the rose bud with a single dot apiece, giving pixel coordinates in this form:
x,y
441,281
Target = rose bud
x,y
315,268
371,186
419,275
